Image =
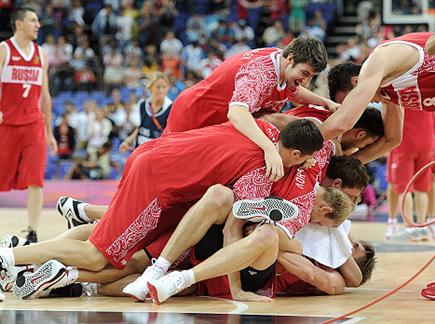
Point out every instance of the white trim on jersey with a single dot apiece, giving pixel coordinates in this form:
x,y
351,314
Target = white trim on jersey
x,y
8,53
27,75
275,57
166,104
401,79
24,56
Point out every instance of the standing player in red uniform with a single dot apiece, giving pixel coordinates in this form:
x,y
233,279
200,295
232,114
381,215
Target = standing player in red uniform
x,y
400,71
252,83
23,136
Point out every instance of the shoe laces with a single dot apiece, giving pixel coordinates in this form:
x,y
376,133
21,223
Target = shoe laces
x,y
178,284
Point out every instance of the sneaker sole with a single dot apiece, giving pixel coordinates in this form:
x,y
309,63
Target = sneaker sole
x,y
271,208
154,295
27,285
429,296
70,215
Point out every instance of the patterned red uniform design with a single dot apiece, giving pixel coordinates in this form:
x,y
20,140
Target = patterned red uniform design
x,y
414,89
298,188
249,79
21,82
317,112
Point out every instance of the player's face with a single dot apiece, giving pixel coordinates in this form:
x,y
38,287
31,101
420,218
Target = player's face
x,y
358,251
30,25
301,73
159,89
297,159
351,139
353,193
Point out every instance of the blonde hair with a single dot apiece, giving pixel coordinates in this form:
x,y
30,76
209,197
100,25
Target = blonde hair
x,y
339,202
156,77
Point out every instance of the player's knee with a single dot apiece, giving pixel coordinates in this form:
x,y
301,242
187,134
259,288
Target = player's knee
x,y
95,260
265,236
139,262
220,196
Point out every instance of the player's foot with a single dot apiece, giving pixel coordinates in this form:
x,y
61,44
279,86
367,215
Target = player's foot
x,y
8,274
138,289
31,235
167,286
68,207
429,291
50,275
11,241
270,208
392,228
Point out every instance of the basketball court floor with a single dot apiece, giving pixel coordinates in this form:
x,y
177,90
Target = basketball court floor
x,y
396,264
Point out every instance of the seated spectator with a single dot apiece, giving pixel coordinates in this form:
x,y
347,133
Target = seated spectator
x,y
99,131
237,48
191,56
273,34
84,79
150,60
207,65
65,138
171,45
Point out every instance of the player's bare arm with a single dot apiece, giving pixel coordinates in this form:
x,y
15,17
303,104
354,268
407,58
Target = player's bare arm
x,y
46,106
351,273
328,281
245,123
305,96
392,117
430,46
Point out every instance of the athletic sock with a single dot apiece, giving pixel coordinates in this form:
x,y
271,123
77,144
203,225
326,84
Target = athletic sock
x,y
162,263
82,212
189,277
72,274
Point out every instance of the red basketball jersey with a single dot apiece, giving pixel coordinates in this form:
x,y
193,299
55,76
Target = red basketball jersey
x,y
21,82
319,113
250,79
415,88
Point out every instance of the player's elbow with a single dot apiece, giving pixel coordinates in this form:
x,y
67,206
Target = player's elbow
x,y
334,290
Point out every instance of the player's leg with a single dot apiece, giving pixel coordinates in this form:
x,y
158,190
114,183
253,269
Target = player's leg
x,y
259,250
35,200
392,199
212,208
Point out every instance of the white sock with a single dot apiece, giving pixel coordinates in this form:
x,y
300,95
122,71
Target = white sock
x,y
162,263
392,221
189,277
8,255
72,274
82,213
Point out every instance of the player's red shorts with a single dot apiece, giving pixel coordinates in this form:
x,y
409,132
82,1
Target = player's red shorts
x,y
22,156
134,218
401,167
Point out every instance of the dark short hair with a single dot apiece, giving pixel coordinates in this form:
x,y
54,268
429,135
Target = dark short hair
x,y
367,264
340,78
351,171
371,122
302,135
307,50
19,14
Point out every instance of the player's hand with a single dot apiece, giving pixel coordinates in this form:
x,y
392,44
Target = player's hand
x,y
248,296
248,229
1,117
274,166
52,144
124,147
333,106
308,163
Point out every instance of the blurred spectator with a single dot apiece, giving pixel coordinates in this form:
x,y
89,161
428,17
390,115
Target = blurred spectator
x,y
116,113
147,27
124,30
244,31
171,65
237,48
224,33
98,134
207,65
154,112
133,74
171,45
195,29
105,24
167,14
76,13
83,56
273,34
133,51
85,79
84,119
191,56
65,138
297,16
150,60
313,29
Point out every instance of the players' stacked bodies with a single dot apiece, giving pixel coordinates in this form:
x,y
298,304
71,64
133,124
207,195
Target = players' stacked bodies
x,y
191,179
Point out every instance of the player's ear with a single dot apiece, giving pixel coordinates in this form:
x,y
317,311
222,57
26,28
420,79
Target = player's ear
x,y
325,210
361,134
354,80
337,183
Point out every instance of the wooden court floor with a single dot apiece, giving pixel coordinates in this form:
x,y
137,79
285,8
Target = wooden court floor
x,y
396,263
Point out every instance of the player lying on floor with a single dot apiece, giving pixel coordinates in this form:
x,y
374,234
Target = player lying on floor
x,y
345,173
